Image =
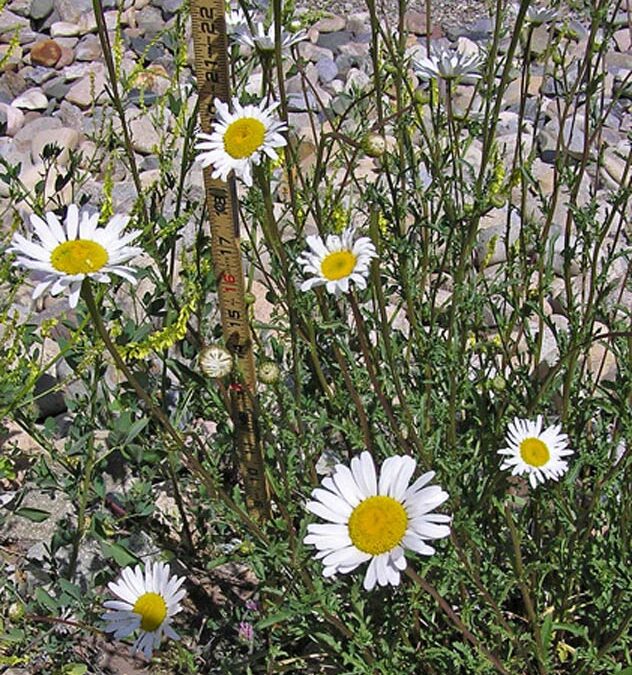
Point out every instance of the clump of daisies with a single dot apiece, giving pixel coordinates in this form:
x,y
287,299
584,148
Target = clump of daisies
x,y
337,261
240,139
534,451
375,520
147,602
63,256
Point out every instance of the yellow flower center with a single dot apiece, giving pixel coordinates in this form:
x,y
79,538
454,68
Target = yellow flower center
x,y
377,524
79,256
243,137
534,452
152,609
338,265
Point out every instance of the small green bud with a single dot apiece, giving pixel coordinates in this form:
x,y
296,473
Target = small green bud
x,y
249,298
374,145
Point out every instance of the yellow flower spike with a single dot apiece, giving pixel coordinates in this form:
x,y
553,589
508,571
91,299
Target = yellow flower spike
x,y
339,219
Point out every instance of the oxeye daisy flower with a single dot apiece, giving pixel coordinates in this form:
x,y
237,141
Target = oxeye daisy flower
x,y
534,451
263,40
236,21
147,602
216,361
337,261
64,255
240,139
375,520
447,64
540,15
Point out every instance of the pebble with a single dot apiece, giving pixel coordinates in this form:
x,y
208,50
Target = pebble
x,y
144,135
73,10
65,29
89,49
65,138
40,9
327,70
87,89
11,120
45,53
31,99
331,24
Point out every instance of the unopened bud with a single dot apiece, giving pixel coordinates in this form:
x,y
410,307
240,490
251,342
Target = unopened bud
x,y
374,145
268,372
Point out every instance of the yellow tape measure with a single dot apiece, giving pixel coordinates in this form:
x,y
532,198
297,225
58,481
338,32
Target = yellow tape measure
x,y
210,44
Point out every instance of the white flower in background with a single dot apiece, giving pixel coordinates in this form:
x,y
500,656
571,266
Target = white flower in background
x,y
540,15
264,38
147,602
535,452
236,21
66,254
447,64
216,361
240,139
337,261
371,520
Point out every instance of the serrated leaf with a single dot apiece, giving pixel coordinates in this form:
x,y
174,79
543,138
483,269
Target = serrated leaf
x,y
36,515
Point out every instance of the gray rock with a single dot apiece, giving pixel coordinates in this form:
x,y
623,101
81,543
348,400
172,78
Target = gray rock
x,y
86,90
9,23
572,138
327,70
65,29
11,120
12,84
144,135
170,7
358,23
65,138
313,52
20,7
31,99
330,24
89,49
357,79
37,74
33,127
298,102
150,21
56,89
492,243
335,40
73,10
40,9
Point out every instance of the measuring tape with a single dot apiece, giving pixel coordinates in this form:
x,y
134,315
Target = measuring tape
x,y
210,44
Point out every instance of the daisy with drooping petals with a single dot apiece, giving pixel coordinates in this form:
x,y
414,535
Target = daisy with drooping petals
x,y
147,601
375,521
447,64
66,254
264,39
337,261
535,452
240,139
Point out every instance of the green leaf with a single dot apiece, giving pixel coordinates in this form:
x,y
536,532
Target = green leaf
x,y
36,515
75,669
45,599
279,617
119,553
135,429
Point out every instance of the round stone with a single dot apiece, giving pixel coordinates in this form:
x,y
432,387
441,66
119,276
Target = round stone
x,y
45,53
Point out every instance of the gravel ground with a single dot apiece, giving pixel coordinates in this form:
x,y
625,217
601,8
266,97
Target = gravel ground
x,y
444,12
